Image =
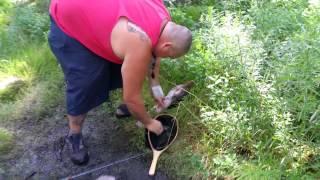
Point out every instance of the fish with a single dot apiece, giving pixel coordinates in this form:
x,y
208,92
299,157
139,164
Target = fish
x,y
175,95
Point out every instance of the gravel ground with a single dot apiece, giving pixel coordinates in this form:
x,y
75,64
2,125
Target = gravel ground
x,y
37,144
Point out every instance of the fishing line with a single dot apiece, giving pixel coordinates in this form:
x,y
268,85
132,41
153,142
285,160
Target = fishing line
x,y
105,166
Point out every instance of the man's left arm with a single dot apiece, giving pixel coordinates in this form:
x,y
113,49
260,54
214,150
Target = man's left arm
x,y
154,83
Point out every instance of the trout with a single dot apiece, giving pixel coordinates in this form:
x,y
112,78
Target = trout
x,y
175,95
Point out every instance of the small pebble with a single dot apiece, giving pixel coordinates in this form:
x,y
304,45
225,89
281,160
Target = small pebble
x,y
106,177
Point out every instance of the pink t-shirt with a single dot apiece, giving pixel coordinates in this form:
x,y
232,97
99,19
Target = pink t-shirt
x,y
91,22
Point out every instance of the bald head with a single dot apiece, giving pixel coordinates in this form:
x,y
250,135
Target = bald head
x,y
175,40
181,37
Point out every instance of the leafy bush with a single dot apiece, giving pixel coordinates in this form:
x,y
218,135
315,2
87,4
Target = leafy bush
x,y
186,15
27,22
5,6
298,74
26,26
256,105
42,5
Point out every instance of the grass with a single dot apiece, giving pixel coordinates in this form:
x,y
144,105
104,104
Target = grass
x,y
12,91
6,141
36,95
42,83
39,88
255,94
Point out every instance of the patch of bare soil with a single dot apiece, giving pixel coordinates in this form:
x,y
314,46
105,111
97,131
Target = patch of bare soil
x,y
36,151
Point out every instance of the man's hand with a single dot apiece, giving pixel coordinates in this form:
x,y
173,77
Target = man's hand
x,y
159,101
158,95
155,126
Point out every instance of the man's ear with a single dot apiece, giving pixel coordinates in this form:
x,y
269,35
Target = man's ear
x,y
167,46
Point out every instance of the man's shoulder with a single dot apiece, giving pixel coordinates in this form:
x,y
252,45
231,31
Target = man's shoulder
x,y
126,36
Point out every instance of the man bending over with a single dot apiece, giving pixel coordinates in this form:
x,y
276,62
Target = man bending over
x,y
105,45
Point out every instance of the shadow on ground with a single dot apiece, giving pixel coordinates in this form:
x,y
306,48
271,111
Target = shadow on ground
x,y
35,154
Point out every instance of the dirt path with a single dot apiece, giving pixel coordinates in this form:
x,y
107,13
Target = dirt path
x,y
35,155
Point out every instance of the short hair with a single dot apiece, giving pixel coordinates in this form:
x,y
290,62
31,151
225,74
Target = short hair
x,y
181,37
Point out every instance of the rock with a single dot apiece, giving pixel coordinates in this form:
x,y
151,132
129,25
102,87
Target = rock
x,y
106,177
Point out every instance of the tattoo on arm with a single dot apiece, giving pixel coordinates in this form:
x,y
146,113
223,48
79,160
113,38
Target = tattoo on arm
x,y
134,29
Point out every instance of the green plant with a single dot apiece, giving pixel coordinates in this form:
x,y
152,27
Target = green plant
x,y
12,92
251,121
5,4
6,141
27,21
5,7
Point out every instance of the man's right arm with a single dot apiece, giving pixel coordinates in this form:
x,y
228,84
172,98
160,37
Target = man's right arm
x,y
134,70
133,74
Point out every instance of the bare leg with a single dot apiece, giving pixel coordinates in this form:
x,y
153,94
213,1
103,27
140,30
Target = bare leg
x,y
75,123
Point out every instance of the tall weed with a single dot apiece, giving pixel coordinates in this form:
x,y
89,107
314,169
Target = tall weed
x,y
250,119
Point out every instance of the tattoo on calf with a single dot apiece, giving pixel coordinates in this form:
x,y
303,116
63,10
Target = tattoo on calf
x,y
135,29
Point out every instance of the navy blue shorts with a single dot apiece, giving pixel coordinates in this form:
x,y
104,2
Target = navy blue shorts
x,y
89,77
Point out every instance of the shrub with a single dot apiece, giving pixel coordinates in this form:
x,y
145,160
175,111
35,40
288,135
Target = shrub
x,y
27,22
250,122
